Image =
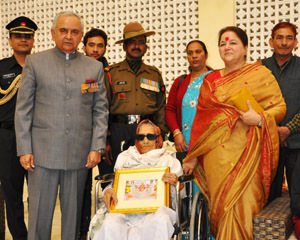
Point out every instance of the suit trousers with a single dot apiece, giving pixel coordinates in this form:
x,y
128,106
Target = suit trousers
x,y
287,158
12,176
43,186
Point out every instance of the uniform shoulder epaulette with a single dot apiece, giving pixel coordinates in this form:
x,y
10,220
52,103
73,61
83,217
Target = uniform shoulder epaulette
x,y
110,67
155,69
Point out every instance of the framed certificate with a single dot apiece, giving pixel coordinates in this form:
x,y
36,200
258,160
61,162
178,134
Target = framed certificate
x,y
140,190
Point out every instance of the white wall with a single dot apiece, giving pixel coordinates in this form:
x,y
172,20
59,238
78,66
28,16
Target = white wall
x,y
213,16
175,23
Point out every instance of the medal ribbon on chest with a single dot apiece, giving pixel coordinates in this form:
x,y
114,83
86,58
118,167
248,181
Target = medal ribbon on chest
x,y
149,85
90,85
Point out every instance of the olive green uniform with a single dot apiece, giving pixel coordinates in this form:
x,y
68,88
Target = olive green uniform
x,y
129,93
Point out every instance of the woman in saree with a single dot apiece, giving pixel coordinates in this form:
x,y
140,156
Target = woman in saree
x,y
234,153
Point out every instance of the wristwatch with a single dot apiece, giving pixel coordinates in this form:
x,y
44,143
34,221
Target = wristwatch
x,y
101,151
259,124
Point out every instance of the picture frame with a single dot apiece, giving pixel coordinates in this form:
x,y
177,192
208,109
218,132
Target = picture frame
x,y
140,190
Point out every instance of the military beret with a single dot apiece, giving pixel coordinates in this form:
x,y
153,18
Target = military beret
x,y
22,25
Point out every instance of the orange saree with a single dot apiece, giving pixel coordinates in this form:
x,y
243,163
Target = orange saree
x,y
237,162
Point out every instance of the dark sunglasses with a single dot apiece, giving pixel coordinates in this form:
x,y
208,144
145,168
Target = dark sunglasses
x,y
150,136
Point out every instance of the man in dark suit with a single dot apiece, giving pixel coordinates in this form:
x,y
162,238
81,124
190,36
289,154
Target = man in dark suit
x,y
286,68
21,39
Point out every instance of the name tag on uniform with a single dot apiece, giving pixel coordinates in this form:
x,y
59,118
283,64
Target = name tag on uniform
x,y
9,75
90,85
122,83
149,85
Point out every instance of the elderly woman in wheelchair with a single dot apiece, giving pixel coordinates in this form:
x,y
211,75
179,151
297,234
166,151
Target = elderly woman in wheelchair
x,y
147,153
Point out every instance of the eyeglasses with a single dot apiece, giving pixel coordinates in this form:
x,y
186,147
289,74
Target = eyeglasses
x,y
150,136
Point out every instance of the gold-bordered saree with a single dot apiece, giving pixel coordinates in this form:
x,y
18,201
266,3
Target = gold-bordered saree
x,y
237,162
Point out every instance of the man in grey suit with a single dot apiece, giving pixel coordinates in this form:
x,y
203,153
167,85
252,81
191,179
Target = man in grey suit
x,y
61,123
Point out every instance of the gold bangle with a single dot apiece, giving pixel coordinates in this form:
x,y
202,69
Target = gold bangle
x,y
175,134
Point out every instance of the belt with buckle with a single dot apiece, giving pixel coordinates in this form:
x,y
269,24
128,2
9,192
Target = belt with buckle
x,y
130,118
7,125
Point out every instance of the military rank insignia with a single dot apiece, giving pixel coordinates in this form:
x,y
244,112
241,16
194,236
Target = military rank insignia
x,y
149,85
90,85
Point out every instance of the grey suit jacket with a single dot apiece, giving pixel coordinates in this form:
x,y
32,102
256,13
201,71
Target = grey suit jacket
x,y
54,121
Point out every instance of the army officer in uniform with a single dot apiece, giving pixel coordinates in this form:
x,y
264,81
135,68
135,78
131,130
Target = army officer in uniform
x,y
135,92
21,33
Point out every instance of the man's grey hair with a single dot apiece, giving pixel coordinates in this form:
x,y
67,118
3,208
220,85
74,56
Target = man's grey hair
x,y
67,13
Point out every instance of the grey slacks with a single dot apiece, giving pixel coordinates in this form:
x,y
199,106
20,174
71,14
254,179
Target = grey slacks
x,y
43,186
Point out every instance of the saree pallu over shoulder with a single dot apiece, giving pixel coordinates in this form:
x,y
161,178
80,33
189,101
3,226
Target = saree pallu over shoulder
x,y
236,161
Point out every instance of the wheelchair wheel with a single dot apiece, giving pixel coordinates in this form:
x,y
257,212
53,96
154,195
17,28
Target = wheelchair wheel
x,y
199,225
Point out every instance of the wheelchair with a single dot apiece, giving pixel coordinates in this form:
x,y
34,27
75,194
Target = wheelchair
x,y
191,211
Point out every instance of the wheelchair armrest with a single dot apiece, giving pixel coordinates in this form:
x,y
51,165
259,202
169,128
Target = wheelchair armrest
x,y
187,181
186,178
105,178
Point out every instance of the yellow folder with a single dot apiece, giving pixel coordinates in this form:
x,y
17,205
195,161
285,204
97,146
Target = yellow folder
x,y
240,101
